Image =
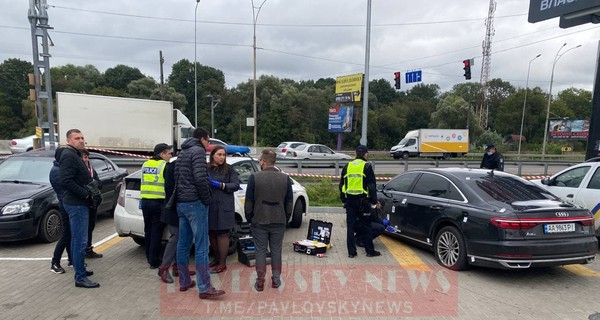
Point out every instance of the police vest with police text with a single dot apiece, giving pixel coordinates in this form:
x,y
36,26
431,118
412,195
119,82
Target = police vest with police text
x,y
153,181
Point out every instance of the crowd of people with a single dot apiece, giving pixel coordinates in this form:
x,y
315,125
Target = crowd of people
x,y
194,199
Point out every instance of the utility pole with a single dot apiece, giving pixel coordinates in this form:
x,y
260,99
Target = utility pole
x,y
365,94
38,18
213,104
162,76
486,66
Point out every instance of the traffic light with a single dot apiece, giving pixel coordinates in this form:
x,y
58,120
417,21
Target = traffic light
x,y
397,80
467,69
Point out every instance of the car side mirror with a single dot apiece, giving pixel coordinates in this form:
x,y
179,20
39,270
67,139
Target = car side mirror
x,y
380,187
546,181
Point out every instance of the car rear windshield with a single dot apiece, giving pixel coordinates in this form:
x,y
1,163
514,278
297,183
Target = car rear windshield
x,y
507,189
26,169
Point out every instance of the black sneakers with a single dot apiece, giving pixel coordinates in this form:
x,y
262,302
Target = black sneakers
x,y
92,255
374,254
56,268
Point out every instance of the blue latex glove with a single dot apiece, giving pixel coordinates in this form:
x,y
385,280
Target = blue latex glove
x,y
390,229
386,222
214,183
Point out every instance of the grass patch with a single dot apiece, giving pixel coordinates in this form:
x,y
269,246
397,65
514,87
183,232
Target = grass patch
x,y
324,193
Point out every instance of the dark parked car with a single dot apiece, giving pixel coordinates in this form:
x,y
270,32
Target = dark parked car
x,y
481,217
28,204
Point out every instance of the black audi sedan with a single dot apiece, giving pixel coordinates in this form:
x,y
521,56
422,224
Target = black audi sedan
x,y
28,204
486,218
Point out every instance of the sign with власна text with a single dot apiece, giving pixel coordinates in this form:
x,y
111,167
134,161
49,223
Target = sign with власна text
x,y
349,88
540,10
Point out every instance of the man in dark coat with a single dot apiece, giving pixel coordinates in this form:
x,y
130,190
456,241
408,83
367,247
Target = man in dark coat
x,y
492,159
79,190
193,198
268,207
65,239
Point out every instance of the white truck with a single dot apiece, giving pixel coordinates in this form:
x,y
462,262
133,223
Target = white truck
x,y
438,143
122,124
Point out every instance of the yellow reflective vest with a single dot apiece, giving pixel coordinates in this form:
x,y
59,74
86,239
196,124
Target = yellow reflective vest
x,y
153,182
353,180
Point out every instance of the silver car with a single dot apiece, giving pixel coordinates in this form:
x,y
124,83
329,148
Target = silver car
x,y
283,148
317,152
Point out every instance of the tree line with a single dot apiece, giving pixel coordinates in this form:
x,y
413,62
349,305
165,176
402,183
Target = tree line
x,y
291,110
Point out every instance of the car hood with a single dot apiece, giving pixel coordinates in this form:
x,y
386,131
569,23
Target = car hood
x,y
10,192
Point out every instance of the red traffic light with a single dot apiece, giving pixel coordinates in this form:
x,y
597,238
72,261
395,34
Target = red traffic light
x,y
467,63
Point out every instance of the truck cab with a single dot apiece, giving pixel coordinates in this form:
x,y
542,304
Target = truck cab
x,y
407,147
182,129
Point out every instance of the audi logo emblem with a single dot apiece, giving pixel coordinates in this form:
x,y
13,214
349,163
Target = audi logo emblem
x,y
562,214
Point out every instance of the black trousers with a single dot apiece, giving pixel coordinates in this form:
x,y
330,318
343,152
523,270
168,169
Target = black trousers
x,y
355,225
153,229
91,226
65,239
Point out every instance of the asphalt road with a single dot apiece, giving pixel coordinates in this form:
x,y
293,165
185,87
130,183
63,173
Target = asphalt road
x,y
404,282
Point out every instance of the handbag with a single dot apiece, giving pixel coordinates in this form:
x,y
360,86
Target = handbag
x,y
173,198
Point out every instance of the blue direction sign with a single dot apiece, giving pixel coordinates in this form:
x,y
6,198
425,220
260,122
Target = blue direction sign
x,y
413,76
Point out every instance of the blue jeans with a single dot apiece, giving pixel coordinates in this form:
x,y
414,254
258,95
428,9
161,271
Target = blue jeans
x,y
193,223
78,219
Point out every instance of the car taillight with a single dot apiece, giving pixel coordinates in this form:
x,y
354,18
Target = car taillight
x,y
14,143
588,222
284,150
504,223
121,199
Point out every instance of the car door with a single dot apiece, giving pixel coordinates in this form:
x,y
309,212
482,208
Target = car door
x,y
589,194
314,152
394,198
426,204
110,180
566,185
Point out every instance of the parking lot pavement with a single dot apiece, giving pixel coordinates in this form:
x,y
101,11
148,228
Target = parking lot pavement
x,y
404,282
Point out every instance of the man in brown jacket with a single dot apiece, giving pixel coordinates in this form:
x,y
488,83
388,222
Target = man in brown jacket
x,y
268,207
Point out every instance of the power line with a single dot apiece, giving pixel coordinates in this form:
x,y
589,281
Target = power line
x,y
282,25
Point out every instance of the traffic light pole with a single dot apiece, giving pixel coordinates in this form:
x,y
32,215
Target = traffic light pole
x,y
38,18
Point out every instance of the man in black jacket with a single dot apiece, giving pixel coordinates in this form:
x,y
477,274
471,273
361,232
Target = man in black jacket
x,y
193,198
65,239
492,159
79,189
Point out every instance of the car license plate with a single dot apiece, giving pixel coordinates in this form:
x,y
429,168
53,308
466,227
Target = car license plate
x,y
559,228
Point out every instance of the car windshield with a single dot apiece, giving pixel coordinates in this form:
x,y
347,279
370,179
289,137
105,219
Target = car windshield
x,y
508,189
403,142
26,169
301,147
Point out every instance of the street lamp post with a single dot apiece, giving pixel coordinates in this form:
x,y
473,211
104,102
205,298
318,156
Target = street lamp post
x,y
255,13
195,71
524,104
556,58
213,105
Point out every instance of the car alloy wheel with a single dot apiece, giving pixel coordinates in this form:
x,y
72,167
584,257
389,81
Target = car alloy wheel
x,y
450,249
50,226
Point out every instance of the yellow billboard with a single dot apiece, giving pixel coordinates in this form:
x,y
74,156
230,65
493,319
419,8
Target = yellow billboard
x,y
349,88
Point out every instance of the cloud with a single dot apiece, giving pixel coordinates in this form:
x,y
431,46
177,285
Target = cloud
x,y
309,39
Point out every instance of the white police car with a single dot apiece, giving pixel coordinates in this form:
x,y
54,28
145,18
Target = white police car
x,y
129,220
578,184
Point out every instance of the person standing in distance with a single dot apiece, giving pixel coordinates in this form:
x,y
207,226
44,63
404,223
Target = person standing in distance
x,y
492,159
193,198
152,191
94,203
268,207
224,181
79,190
357,187
65,239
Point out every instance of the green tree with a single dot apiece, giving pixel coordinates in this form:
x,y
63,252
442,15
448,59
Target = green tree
x,y
120,76
143,88
509,114
108,91
78,79
14,89
578,100
383,90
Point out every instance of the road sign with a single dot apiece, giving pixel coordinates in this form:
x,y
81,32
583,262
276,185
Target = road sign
x,y
413,76
540,10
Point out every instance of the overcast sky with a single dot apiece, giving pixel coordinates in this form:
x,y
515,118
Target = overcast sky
x,y
309,39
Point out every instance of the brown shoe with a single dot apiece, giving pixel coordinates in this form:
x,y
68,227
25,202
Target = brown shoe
x,y
218,269
211,293
185,288
259,286
163,273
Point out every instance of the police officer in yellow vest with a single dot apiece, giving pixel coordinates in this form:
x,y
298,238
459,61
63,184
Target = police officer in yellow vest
x,y
152,190
358,193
